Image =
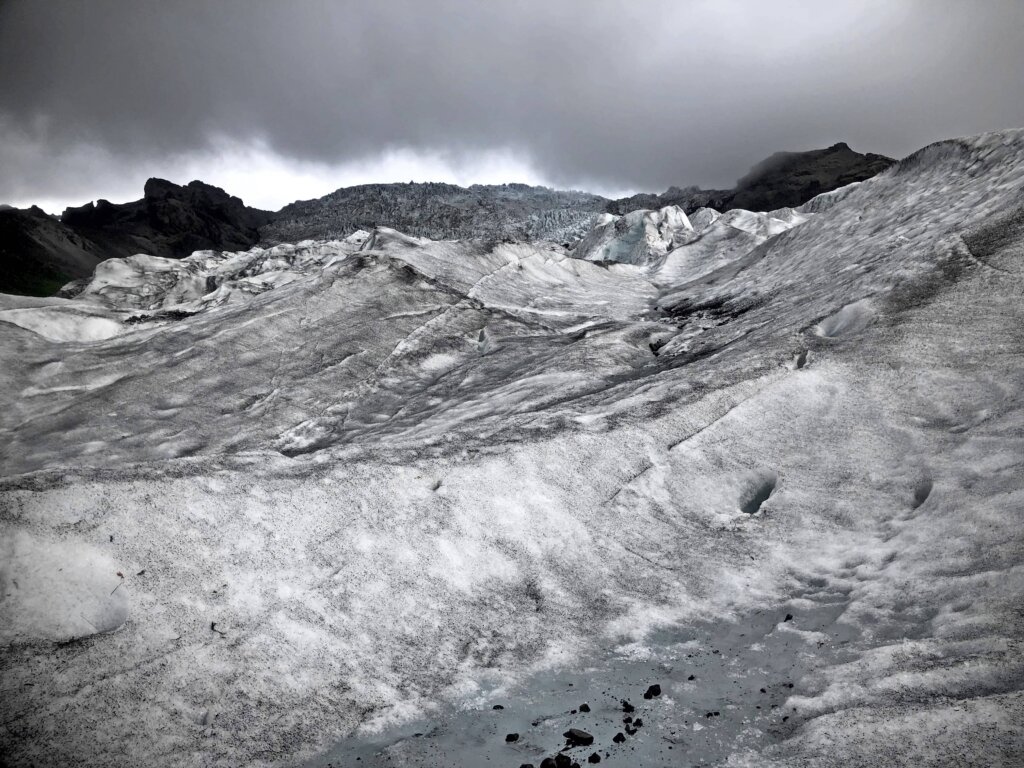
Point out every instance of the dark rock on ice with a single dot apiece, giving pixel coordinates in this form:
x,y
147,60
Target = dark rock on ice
x,y
578,738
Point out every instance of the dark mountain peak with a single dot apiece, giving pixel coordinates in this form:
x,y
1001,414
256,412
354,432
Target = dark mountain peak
x,y
35,211
784,179
837,160
158,189
196,192
790,179
91,214
201,187
170,220
40,252
73,211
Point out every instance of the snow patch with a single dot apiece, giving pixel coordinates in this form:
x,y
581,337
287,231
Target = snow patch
x,y
64,323
851,319
57,590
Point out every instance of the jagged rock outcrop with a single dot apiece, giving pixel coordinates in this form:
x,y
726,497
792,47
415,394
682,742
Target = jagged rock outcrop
x,y
170,220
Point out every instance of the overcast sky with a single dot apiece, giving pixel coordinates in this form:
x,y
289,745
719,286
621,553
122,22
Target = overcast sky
x,y
282,100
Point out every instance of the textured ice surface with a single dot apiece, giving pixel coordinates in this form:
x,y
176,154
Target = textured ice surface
x,y
639,237
358,483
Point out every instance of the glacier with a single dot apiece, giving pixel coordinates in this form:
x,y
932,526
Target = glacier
x,y
260,508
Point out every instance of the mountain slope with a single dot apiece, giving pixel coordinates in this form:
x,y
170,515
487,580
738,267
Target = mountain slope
x,y
38,254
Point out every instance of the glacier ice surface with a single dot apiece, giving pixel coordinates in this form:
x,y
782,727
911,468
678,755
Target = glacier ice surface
x,y
256,503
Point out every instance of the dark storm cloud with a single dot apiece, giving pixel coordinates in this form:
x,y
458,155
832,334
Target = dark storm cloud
x,y
617,94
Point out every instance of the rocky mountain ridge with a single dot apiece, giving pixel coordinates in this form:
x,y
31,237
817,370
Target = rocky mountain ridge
x,y
170,220
440,211
41,253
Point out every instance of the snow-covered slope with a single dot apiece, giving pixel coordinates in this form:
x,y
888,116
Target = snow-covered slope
x,y
272,497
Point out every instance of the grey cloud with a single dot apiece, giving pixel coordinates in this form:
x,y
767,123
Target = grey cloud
x,y
617,94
